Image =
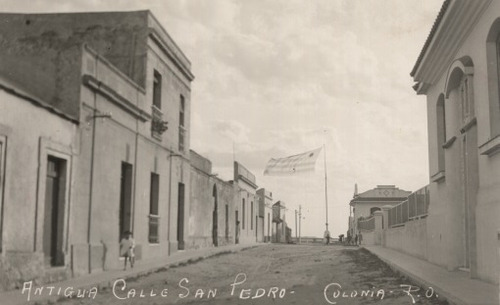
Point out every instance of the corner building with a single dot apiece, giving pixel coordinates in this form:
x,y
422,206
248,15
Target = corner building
x,y
122,86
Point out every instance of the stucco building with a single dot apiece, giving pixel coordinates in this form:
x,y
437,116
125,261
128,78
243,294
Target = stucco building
x,y
247,203
37,148
366,203
105,148
280,231
265,215
458,71
213,204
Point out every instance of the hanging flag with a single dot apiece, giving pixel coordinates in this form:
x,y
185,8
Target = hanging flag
x,y
300,163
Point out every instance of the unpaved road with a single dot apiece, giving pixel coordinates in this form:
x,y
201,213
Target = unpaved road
x,y
272,274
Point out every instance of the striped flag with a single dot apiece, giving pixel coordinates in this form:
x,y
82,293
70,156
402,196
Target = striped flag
x,y
300,163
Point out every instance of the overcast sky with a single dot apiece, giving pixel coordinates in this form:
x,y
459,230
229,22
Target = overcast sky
x,y
277,78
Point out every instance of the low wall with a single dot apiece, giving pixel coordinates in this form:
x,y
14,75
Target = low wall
x,y
411,238
368,237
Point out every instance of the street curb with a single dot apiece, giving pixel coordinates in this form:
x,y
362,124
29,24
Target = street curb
x,y
443,295
108,283
180,263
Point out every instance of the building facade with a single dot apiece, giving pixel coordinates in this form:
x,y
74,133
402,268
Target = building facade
x,y
280,231
247,204
363,205
112,156
38,145
458,71
265,215
213,204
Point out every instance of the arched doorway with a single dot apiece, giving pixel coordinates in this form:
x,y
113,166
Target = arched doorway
x,y
374,209
459,90
215,239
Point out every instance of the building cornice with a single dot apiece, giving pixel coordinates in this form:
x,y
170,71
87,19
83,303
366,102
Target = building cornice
x,y
13,90
247,181
378,199
179,64
103,89
454,23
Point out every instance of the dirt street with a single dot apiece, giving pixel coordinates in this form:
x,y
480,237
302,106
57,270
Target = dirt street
x,y
272,274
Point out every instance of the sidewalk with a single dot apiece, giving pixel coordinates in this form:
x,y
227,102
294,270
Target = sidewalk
x,y
107,278
455,286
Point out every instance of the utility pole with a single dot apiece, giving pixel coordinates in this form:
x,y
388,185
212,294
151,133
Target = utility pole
x,y
300,220
296,238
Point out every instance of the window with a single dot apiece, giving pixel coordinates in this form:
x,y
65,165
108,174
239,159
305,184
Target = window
x,y
441,131
181,112
493,79
153,208
243,214
251,215
182,126
466,100
157,90
158,126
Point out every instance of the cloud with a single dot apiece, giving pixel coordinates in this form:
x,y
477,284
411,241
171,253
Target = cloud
x,y
272,75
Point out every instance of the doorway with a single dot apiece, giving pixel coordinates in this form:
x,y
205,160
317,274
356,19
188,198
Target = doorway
x,y
227,223
215,233
180,217
53,228
236,228
125,213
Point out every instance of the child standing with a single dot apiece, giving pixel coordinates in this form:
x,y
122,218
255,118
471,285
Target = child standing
x,y
127,245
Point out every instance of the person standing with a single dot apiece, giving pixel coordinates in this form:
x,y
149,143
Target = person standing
x,y
327,236
127,245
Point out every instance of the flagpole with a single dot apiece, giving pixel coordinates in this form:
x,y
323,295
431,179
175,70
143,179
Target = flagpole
x,y
326,189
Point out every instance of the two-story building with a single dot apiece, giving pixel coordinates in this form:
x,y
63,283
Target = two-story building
x,y
110,152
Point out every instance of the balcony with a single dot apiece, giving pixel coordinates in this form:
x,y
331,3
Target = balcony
x,y
158,126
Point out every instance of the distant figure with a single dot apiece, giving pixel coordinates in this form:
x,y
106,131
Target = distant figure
x,y
127,245
356,239
237,232
327,236
349,239
360,238
341,238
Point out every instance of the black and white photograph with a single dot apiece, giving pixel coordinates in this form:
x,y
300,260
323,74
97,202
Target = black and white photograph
x,y
249,152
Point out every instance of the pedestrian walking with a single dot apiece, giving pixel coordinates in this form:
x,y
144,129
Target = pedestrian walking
x,y
327,236
127,245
